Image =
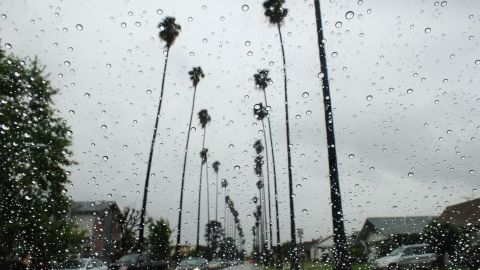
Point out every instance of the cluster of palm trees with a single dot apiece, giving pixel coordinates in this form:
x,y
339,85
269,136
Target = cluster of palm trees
x,y
275,13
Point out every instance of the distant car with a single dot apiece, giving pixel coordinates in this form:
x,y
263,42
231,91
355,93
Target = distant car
x,y
193,263
138,262
217,264
82,264
407,257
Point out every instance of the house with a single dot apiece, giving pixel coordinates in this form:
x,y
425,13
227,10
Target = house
x,y
323,250
462,214
402,230
308,248
100,220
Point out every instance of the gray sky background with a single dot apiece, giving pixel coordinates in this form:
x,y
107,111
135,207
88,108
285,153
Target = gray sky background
x,y
400,152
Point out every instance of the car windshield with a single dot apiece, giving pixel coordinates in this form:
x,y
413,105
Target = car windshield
x,y
396,252
192,262
74,264
255,133
131,258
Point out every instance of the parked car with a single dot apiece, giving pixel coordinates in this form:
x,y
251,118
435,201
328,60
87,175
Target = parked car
x,y
407,257
193,263
217,264
82,264
138,262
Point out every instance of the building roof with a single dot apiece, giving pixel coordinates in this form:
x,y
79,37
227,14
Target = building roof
x,y
395,225
463,213
92,206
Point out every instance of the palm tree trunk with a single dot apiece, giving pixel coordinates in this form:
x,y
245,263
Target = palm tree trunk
x,y
179,225
216,198
150,157
200,193
340,261
294,255
268,187
279,262
208,193
225,215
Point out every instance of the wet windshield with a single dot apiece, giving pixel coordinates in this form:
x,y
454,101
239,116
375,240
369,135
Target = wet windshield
x,y
314,134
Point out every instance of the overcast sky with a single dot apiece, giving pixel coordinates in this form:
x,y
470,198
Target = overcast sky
x,y
405,89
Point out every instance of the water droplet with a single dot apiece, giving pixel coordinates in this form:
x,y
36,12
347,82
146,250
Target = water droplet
x,y
105,158
372,168
304,211
247,43
8,45
103,127
148,91
108,65
159,11
231,146
444,3
66,63
79,27
28,198
471,171
410,174
428,30
71,112
245,7
349,15
87,95
249,53
334,54
3,16
305,94
123,24
409,91
369,98
236,167
351,156
338,24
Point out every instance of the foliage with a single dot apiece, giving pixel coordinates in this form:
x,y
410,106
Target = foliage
x,y
195,74
159,239
34,151
275,11
261,79
441,236
357,252
227,249
169,30
213,236
204,117
129,222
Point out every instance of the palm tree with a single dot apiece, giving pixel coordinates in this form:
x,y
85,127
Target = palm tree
x,y
341,259
204,119
275,12
203,157
259,172
215,166
262,81
260,112
224,186
169,31
195,75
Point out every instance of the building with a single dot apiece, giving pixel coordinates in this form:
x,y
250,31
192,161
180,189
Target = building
x,y
100,220
402,230
462,214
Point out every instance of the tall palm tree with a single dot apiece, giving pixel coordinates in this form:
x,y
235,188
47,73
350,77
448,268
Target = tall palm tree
x,y
275,12
203,157
224,186
195,75
259,172
262,81
204,119
260,112
341,259
169,31
216,166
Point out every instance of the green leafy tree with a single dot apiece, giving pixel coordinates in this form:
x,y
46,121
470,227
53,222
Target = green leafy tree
x,y
159,239
442,237
213,236
34,152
